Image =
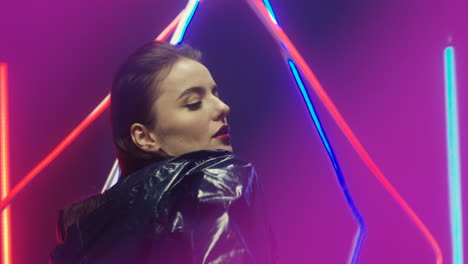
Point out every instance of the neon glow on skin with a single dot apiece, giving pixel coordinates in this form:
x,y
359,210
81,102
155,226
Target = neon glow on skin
x,y
453,156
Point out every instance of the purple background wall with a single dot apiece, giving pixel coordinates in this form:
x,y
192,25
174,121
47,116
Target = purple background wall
x,y
380,61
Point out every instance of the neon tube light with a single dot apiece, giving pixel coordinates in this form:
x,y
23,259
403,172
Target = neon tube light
x,y
270,11
5,163
292,52
361,232
169,29
453,156
57,150
185,20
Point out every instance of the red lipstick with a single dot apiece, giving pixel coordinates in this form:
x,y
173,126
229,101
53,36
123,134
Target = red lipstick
x,y
224,137
223,133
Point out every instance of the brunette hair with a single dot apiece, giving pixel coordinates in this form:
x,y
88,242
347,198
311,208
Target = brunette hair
x,y
134,90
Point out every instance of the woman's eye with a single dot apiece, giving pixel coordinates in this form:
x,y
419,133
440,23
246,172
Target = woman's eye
x,y
194,106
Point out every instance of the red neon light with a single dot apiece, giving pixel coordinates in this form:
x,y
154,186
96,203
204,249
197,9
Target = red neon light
x,y
5,163
169,29
75,132
310,76
57,150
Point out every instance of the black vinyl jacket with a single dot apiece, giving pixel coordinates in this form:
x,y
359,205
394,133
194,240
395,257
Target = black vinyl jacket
x,y
201,207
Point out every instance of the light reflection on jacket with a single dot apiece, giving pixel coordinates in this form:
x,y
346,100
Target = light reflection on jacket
x,y
201,207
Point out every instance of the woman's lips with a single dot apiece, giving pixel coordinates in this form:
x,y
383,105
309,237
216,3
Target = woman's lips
x,y
224,129
224,137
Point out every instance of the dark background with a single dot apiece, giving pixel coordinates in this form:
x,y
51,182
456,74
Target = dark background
x,y
381,62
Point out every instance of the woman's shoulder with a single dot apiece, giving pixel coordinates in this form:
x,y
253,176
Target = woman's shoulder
x,y
202,165
70,215
154,193
176,168
214,166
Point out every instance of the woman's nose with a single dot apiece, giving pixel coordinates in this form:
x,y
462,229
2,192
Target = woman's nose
x,y
222,109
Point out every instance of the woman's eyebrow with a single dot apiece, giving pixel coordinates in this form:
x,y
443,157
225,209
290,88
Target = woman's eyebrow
x,y
196,89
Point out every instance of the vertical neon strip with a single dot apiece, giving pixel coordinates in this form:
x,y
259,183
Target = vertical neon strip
x,y
5,163
292,52
270,10
453,156
189,11
360,234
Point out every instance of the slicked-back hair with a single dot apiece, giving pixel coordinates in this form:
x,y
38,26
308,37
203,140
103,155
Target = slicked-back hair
x,y
134,90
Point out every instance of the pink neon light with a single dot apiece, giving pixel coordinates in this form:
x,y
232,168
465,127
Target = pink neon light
x,y
5,163
75,132
347,130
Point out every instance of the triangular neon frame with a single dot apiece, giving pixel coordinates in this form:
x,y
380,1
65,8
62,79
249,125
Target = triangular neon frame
x,y
265,13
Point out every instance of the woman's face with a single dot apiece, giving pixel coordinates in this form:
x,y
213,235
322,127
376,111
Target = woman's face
x,y
188,111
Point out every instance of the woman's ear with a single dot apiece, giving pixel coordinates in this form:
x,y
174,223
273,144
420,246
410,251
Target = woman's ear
x,y
143,139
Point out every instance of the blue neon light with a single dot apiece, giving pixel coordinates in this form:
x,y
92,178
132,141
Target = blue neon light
x,y
270,10
359,238
453,156
187,22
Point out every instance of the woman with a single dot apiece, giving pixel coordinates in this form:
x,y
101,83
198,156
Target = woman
x,y
183,196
